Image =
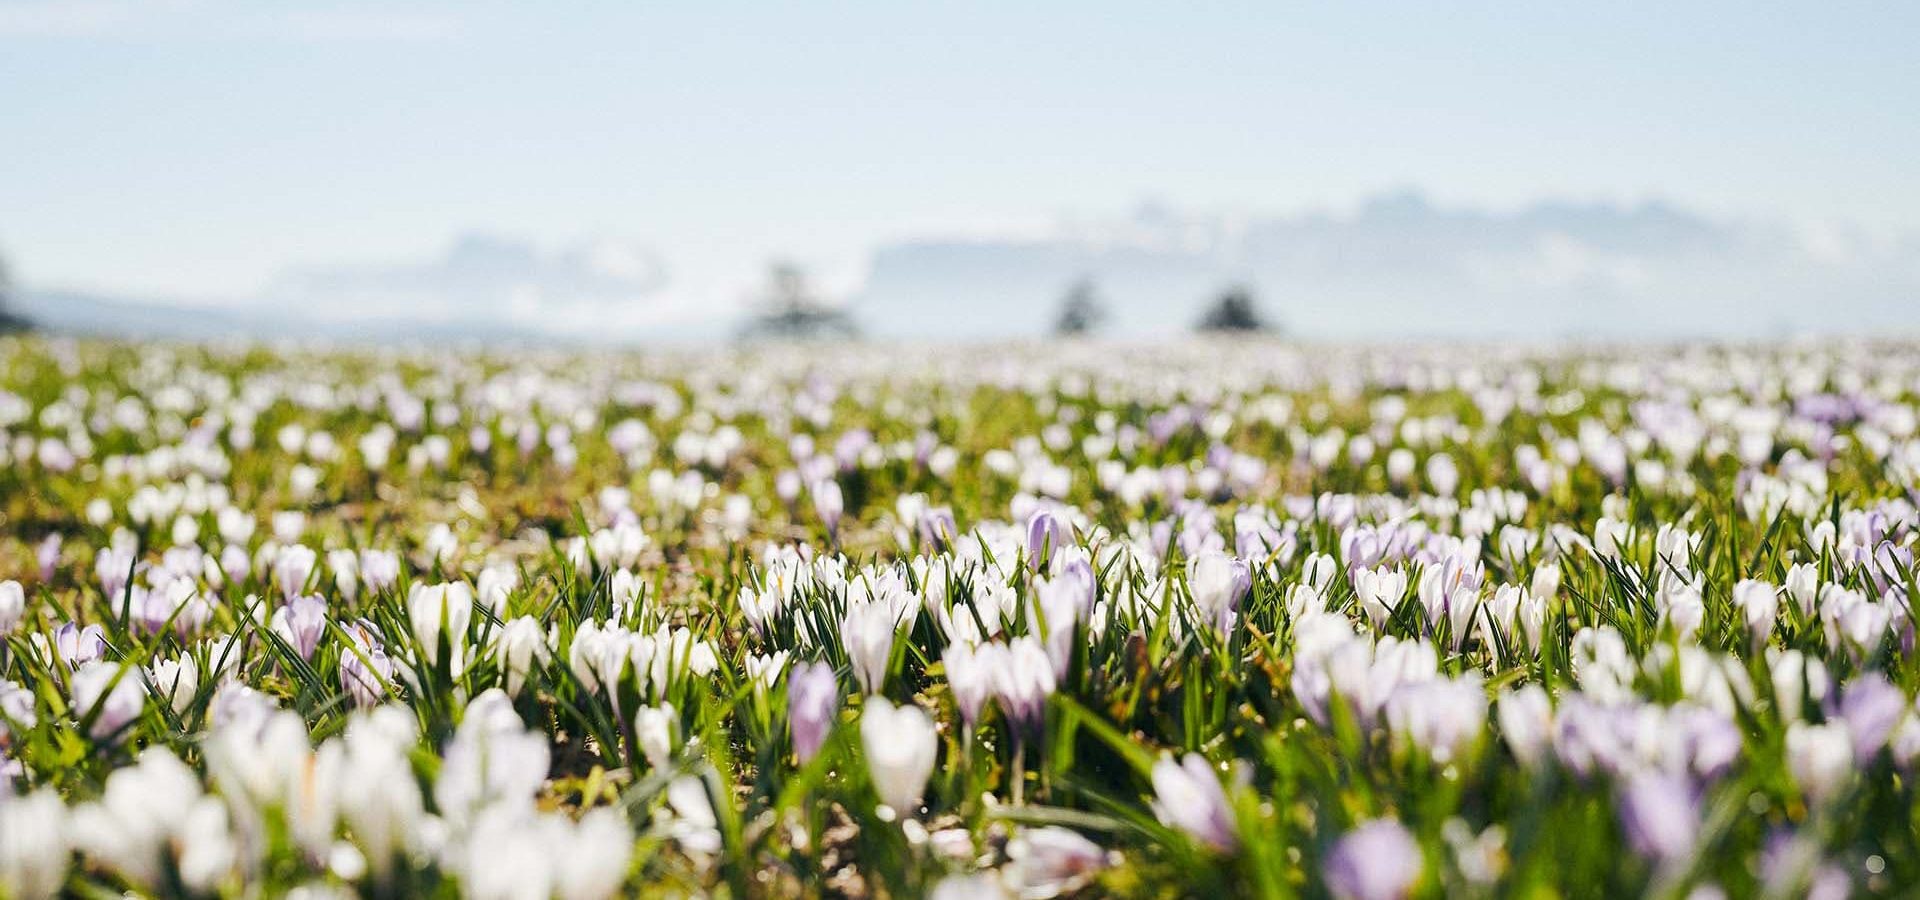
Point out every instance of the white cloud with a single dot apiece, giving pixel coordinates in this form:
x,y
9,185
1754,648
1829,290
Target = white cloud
x,y
1399,265
597,285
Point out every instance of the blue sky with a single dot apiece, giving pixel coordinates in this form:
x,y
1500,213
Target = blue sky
x,y
201,150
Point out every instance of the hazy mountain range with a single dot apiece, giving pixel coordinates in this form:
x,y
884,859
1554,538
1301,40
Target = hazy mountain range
x,y
1395,266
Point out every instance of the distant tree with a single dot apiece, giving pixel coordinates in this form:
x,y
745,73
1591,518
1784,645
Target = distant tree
x,y
790,310
1081,311
1235,311
10,321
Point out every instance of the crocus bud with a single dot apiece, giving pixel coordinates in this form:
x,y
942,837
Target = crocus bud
x,y
1803,585
867,633
1821,758
112,698
1022,682
47,555
828,503
813,696
520,643
441,611
366,671
970,674
901,747
653,728
35,861
1872,708
1188,796
1526,722
1217,582
1046,535
1759,602
13,606
1546,580
1661,816
1379,860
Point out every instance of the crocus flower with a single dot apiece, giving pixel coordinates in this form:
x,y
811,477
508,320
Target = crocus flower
x,y
13,606
292,568
112,697
1821,758
519,645
78,646
1046,535
1803,586
1661,816
901,747
439,612
828,503
1759,603
813,696
867,633
34,856
301,622
366,672
970,674
1050,861
1872,708
174,681
1380,592
937,527
1218,582
1379,860
1526,722
492,759
47,555
653,730
1022,682
1188,796
764,670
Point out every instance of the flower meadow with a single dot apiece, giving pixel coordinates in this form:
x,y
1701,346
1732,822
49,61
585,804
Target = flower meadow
x,y
1231,618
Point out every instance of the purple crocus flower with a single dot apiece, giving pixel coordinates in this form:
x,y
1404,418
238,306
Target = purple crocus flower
x,y
1661,816
78,646
113,566
1872,708
847,450
1379,860
301,622
48,556
937,526
366,671
813,696
1046,534
1188,796
829,503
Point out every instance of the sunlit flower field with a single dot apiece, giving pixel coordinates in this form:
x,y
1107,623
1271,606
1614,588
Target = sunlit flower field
x,y
1240,618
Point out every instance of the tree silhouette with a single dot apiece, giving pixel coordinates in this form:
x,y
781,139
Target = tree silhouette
x,y
10,321
1235,311
1081,311
790,310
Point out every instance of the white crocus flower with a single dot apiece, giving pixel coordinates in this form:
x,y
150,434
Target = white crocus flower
x,y
867,633
517,648
901,747
438,612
